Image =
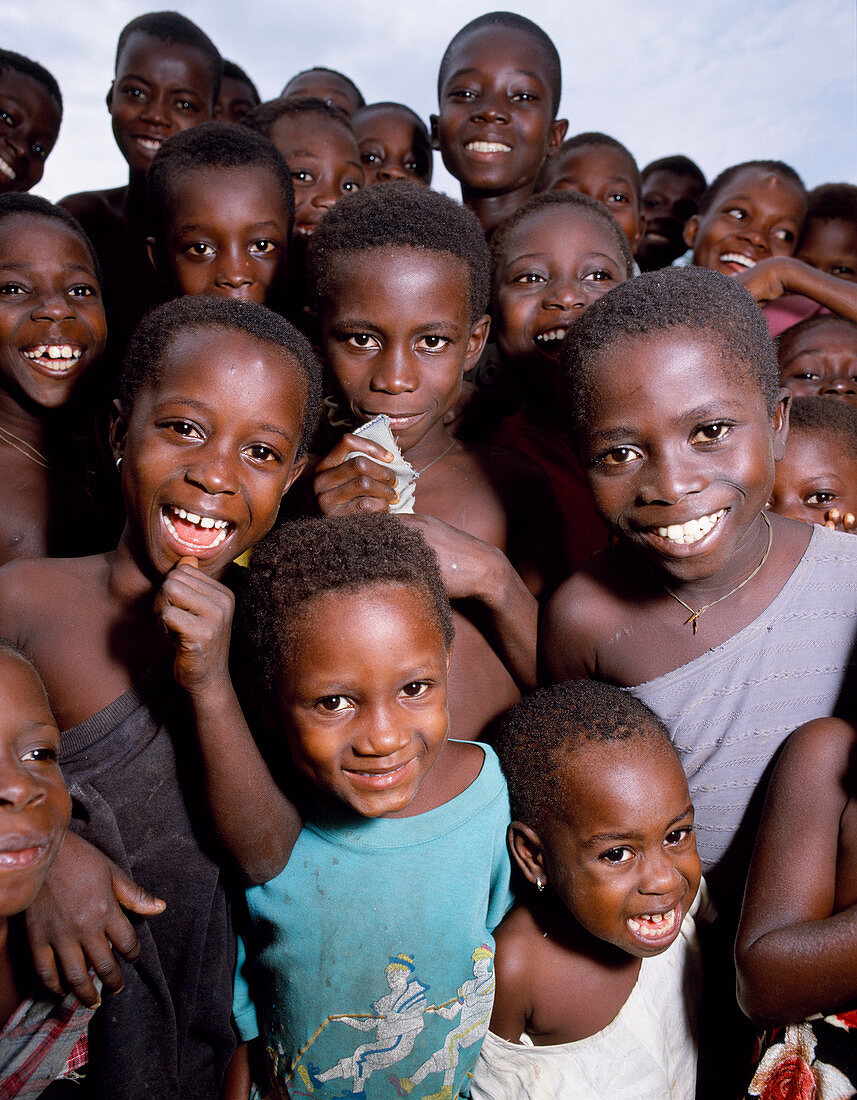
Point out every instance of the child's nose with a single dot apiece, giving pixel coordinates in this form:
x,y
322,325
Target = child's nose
x,y
671,476
394,372
837,387
326,196
391,172
17,787
52,307
156,110
234,269
490,108
659,874
384,733
565,294
212,470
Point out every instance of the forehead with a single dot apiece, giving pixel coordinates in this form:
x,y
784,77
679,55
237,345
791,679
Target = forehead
x,y
173,63
833,337
562,231
672,183
32,97
227,194
324,85
762,185
596,160
29,238
233,87
418,285
315,134
811,451
387,124
496,49
834,234
23,697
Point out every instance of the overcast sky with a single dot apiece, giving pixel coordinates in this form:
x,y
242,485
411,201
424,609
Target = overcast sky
x,y
719,80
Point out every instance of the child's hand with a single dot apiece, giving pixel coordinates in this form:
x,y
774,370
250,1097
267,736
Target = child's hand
x,y
196,612
837,521
769,279
464,560
76,921
359,485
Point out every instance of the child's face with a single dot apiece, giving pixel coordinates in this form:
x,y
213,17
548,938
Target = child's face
x,y
822,362
236,99
228,234
557,262
52,326
364,697
680,450
668,200
815,476
324,162
160,88
624,861
397,335
34,803
209,450
603,173
325,85
29,125
830,244
755,215
392,146
496,123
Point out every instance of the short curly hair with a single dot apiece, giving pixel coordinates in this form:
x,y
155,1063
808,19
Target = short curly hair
x,y
173,28
578,206
831,419
679,165
581,141
233,71
263,117
147,351
400,214
355,91
788,337
211,145
832,201
537,739
22,203
775,167
694,299
306,558
511,21
20,64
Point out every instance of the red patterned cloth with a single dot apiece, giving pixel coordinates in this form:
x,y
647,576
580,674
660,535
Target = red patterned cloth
x,y
43,1041
813,1060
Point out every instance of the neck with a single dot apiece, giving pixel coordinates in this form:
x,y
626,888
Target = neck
x,y
492,209
28,421
737,572
430,448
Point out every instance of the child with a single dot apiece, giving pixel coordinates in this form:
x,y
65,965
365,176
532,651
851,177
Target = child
x,y
42,1039
335,89
499,88
168,75
30,116
598,976
818,357
551,259
678,414
221,210
370,958
238,94
399,276
795,948
319,146
216,403
52,331
816,480
394,143
599,166
672,188
829,238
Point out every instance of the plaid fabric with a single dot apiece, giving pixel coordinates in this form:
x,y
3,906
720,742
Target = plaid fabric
x,y
43,1041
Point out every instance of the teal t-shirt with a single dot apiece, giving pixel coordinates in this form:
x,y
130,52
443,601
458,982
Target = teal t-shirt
x,y
369,959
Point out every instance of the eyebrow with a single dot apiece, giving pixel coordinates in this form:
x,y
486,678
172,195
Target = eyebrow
x,y
199,227
442,327
470,70
599,838
540,255
190,403
18,265
145,80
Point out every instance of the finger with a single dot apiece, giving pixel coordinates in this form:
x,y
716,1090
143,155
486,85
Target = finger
x,y
352,442
348,469
132,896
848,521
103,961
76,972
45,964
186,559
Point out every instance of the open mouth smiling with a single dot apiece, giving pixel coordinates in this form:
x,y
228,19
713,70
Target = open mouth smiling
x,y
685,534
655,927
7,170
488,147
195,533
737,258
550,341
54,358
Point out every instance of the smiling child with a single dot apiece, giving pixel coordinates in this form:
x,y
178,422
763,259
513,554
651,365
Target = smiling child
x,y
221,210
671,189
394,143
216,403
30,116
598,974
369,958
52,331
499,88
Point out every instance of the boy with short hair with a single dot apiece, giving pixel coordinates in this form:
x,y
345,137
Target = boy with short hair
x,y
334,88
30,117
394,143
217,402
221,209
671,189
829,238
818,358
238,94
167,79
499,88
400,281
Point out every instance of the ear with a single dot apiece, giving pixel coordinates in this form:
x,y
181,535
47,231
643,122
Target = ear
x,y
154,253
435,140
527,851
780,423
295,472
557,135
108,99
476,341
118,430
690,230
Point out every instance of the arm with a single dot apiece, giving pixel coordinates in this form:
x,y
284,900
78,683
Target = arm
x,y
196,612
780,275
473,569
795,956
566,644
512,972
238,1080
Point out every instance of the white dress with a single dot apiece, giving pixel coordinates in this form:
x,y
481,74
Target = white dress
x,y
648,1052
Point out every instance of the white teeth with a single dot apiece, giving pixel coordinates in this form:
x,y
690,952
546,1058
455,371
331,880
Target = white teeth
x,y
150,143
7,170
737,258
554,334
201,521
54,351
692,531
488,147
304,230
653,924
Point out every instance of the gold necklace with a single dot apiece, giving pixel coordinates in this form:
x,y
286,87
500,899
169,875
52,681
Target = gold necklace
x,y
694,615
24,448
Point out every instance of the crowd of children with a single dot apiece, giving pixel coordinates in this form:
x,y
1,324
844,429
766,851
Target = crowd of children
x,y
405,783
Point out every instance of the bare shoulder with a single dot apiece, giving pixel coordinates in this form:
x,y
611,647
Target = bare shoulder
x,y
517,939
573,623
513,476
817,752
97,206
34,588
